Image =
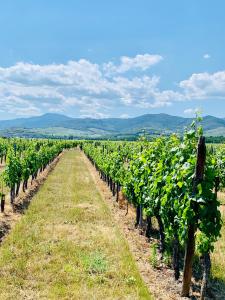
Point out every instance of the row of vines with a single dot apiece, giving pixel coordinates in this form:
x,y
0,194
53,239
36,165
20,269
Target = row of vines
x,y
174,181
24,159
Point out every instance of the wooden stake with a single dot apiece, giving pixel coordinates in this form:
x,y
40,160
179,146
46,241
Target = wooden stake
x,y
190,246
2,203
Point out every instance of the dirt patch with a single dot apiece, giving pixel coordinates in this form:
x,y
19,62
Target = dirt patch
x,y
222,210
159,280
86,206
221,197
4,229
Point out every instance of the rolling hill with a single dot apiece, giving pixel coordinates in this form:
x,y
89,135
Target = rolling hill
x,y
59,125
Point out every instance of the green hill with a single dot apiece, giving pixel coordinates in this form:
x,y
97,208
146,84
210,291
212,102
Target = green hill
x,y
58,125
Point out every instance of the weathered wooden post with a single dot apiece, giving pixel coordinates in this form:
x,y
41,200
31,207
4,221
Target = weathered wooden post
x,y
161,236
117,191
2,203
149,227
190,245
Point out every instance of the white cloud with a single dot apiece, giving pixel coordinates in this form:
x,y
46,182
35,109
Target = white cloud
x,y
204,86
124,116
79,84
206,56
141,62
25,111
84,88
192,111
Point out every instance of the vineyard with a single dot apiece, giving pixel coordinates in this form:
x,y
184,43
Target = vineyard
x,y
24,159
172,183
175,182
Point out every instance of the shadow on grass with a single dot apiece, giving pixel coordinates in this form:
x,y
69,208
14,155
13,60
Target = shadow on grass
x,y
4,229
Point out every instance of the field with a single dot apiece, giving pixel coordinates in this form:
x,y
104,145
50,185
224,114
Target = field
x,y
67,245
112,220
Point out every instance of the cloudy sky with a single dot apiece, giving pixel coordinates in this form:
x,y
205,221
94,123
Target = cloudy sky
x,y
86,58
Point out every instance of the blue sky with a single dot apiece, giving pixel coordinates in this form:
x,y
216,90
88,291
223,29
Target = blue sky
x,y
112,58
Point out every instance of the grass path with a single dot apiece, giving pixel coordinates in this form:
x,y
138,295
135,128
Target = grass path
x,y
67,245
218,257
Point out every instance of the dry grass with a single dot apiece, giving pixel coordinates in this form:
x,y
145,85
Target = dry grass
x,y
218,258
67,245
221,197
160,280
219,253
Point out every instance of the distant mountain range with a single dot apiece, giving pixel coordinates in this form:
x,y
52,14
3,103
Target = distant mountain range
x,y
58,125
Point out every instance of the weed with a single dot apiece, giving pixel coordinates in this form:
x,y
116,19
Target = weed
x,y
153,258
95,263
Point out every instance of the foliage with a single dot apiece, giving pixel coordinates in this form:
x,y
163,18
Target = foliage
x,y
159,176
25,158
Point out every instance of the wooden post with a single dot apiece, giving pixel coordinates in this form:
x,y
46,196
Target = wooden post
x,y
12,195
137,215
117,191
111,184
190,245
161,236
2,203
114,188
149,227
141,216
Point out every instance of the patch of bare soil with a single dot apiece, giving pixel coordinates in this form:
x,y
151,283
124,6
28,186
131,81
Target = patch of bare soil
x,y
221,197
160,279
2,167
12,214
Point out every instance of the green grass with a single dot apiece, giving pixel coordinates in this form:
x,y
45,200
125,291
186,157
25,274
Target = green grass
x,y
218,258
67,245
